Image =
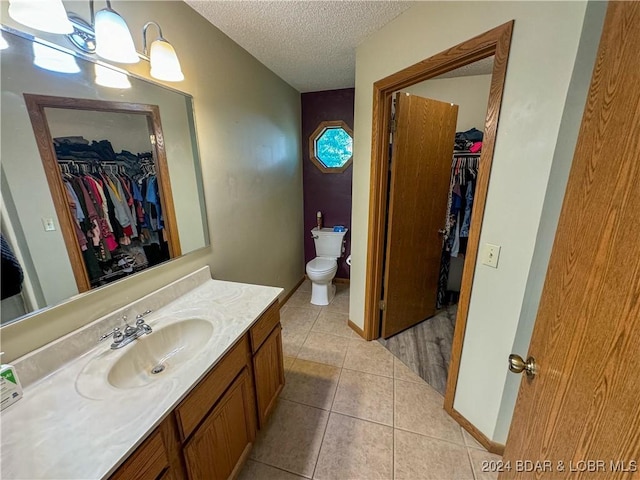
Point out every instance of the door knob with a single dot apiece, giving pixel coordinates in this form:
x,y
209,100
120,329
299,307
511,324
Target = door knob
x,y
518,365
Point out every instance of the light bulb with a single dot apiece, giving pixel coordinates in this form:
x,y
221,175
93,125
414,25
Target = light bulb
x,y
113,38
108,77
54,60
164,62
45,15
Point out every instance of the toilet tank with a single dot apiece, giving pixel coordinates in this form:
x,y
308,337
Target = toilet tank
x,y
328,243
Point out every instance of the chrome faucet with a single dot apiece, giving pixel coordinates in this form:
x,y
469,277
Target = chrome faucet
x,y
130,332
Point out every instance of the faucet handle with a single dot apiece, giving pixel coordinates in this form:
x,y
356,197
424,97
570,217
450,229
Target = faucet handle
x,y
117,335
141,315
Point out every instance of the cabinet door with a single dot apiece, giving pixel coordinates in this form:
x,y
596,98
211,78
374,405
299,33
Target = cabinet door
x,y
157,458
223,440
268,370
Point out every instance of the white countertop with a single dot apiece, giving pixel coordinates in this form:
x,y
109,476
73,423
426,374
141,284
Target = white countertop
x,y
63,430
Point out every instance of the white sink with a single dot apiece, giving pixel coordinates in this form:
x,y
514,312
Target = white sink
x,y
158,353
149,358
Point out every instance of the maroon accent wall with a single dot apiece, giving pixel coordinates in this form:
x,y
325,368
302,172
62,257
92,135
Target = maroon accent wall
x,y
328,192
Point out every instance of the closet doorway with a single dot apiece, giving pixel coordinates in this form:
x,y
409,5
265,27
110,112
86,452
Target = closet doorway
x,y
496,43
431,195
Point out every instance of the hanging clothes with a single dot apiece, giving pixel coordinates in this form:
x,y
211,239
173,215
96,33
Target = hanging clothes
x,y
118,213
111,212
464,172
78,215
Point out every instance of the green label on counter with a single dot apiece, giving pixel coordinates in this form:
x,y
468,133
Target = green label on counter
x,y
8,375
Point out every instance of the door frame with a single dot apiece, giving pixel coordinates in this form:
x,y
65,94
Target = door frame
x,y
496,42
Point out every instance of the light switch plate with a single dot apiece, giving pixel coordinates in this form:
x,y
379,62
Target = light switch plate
x,y
490,255
48,224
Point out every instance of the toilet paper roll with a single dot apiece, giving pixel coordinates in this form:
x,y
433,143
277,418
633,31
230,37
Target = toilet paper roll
x,y
349,260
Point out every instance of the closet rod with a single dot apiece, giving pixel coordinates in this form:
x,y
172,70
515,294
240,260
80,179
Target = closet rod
x,y
465,154
93,162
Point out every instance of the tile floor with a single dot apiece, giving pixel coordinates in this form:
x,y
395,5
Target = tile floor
x,y
350,410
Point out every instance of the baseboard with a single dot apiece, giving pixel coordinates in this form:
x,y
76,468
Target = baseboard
x,y
490,445
356,328
293,290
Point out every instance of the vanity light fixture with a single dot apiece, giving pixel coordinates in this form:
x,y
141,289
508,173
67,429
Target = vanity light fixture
x,y
162,56
113,38
45,15
106,34
54,60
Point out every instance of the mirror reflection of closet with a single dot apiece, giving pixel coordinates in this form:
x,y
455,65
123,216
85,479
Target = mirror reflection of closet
x,y
107,173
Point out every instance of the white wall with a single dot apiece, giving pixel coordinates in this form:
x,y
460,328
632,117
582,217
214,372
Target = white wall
x,y
543,52
470,93
562,160
248,122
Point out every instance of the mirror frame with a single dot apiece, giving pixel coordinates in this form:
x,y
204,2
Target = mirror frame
x,y
36,105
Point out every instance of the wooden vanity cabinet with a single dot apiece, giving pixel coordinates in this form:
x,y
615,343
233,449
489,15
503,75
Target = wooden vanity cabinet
x,y
209,434
195,407
268,371
222,443
159,457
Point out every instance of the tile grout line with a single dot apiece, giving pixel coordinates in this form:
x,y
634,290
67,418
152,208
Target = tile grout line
x,y
367,373
360,419
393,422
331,410
464,445
326,426
473,471
280,468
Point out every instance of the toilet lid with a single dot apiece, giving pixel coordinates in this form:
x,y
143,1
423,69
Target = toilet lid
x,y
322,265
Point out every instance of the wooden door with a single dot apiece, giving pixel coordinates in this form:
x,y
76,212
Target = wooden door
x,y
268,370
583,406
221,444
420,175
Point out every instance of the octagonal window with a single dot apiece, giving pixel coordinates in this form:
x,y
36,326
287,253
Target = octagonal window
x,y
331,146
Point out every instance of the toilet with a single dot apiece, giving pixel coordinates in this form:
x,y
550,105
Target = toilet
x,y
323,268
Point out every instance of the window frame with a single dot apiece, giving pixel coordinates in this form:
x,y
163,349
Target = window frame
x,y
322,127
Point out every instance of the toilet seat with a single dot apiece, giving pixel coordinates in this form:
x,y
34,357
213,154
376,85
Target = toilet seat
x,y
322,265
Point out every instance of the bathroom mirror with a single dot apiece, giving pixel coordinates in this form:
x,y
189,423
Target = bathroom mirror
x,y
56,126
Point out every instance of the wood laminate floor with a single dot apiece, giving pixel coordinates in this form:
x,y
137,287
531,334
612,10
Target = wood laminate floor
x,y
426,347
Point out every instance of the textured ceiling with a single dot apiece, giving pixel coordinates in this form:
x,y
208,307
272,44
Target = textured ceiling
x,y
309,44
